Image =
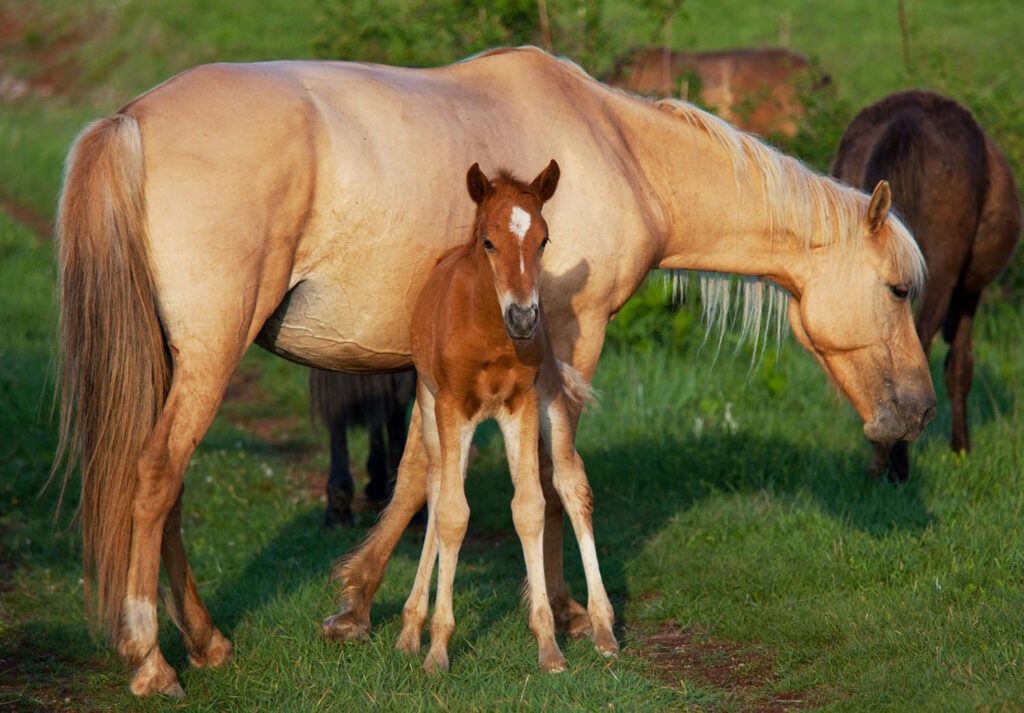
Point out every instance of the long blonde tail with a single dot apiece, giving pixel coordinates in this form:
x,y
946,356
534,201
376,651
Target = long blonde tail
x,y
114,368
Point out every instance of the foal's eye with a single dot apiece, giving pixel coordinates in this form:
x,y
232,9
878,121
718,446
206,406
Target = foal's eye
x,y
899,291
488,245
544,244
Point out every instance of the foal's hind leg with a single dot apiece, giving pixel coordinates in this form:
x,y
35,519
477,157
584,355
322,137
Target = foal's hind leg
x,y
960,363
363,569
570,480
188,411
414,614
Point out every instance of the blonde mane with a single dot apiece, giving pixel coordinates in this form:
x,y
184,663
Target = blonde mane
x,y
793,195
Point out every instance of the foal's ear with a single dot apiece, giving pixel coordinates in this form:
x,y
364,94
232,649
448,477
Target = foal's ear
x,y
878,208
546,183
477,183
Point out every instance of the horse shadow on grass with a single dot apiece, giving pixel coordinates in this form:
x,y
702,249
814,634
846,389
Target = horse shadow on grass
x,y
639,486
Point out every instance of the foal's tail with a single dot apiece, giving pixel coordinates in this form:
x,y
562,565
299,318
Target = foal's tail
x,y
114,368
577,390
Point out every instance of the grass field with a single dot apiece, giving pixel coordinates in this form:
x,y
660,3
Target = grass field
x,y
752,564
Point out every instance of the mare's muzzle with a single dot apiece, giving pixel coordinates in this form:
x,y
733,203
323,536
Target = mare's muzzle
x,y
521,322
901,419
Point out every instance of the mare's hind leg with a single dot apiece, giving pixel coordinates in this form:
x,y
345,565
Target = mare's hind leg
x,y
960,363
570,480
363,569
188,411
206,646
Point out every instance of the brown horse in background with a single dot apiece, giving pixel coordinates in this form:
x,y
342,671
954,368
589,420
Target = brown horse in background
x,y
481,349
956,192
380,404
758,90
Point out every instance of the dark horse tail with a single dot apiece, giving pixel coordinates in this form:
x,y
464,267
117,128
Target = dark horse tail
x,y
114,368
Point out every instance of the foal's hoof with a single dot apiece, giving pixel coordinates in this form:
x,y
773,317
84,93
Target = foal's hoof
x,y
344,627
436,661
575,621
605,643
553,662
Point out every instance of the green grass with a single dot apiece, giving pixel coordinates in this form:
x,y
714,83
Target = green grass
x,y
731,496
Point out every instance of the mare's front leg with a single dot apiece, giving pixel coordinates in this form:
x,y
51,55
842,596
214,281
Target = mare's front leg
x,y
451,514
362,570
521,437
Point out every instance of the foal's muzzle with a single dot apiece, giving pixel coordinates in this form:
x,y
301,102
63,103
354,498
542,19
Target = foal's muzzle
x,y
521,322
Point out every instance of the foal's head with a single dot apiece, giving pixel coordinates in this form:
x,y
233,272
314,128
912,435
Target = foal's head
x,y
512,233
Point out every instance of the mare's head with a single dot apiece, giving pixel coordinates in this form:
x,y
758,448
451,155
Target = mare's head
x,y
854,315
512,233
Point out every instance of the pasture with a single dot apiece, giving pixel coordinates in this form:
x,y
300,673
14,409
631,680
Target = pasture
x,y
751,563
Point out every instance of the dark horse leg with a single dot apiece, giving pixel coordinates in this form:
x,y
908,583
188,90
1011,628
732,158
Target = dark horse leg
x,y
340,488
377,468
960,362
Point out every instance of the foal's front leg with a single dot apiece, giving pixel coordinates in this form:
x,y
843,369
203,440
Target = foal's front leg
x,y
451,513
521,438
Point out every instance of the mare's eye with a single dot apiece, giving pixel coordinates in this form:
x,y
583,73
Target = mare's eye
x,y
899,291
544,243
488,245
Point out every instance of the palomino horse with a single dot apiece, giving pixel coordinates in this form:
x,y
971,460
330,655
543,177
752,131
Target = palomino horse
x,y
302,205
955,190
379,403
759,90
482,351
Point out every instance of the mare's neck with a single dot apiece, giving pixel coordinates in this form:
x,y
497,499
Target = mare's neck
x,y
717,198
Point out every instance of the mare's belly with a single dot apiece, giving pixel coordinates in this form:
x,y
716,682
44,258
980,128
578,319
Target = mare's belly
x,y
332,329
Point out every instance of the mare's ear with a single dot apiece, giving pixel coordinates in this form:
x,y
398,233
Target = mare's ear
x,y
878,208
546,183
477,183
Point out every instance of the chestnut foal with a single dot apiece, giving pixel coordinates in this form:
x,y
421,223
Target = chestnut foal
x,y
481,351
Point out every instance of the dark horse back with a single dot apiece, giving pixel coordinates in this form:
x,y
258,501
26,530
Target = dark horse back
x,y
952,188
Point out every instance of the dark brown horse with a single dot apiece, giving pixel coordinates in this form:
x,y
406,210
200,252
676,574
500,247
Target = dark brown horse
x,y
377,402
956,192
758,90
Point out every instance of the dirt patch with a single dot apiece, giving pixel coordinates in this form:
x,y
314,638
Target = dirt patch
x,y
741,675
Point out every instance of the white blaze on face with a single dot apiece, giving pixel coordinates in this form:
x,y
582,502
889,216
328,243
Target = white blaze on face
x,y
519,223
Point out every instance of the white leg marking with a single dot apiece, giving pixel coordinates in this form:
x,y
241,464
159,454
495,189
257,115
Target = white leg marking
x,y
140,619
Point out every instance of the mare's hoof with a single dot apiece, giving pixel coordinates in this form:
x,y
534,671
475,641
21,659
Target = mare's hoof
x,y
344,627
218,652
156,677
